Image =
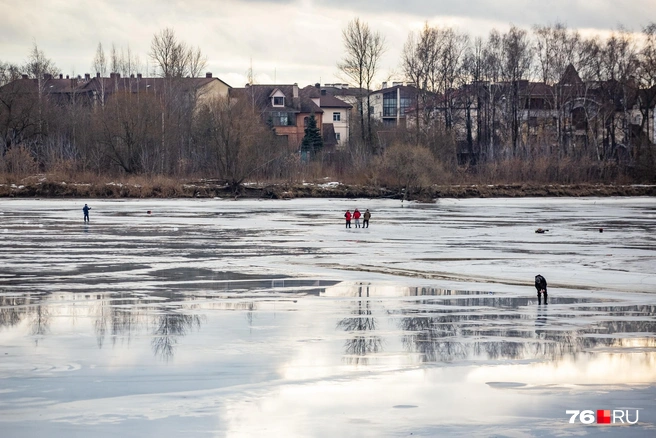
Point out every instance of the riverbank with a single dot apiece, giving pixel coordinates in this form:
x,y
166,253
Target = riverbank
x,y
42,188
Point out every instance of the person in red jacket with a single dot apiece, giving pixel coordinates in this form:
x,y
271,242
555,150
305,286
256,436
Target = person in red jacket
x,y
347,215
356,216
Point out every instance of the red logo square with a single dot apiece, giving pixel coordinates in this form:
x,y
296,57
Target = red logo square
x,y
603,416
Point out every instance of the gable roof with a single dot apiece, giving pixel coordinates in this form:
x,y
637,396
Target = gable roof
x,y
570,77
260,95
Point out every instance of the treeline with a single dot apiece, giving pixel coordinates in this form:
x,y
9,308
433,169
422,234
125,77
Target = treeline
x,y
171,134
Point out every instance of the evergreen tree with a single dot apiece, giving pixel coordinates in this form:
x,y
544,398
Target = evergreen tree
x,y
312,141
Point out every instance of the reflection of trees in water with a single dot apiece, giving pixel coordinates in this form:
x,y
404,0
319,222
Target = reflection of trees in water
x,y
116,317
361,343
446,335
12,310
120,317
169,327
40,321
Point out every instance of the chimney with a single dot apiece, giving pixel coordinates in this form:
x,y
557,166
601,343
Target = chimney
x,y
60,77
131,75
112,75
397,84
317,85
24,76
384,84
139,76
295,91
208,74
118,76
87,76
98,75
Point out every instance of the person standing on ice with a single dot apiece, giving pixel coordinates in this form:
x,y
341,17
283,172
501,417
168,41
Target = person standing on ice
x,y
347,216
356,216
365,219
86,209
541,286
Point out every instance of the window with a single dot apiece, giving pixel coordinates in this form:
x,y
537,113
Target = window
x,y
337,117
372,110
337,136
306,120
279,118
389,104
406,102
278,101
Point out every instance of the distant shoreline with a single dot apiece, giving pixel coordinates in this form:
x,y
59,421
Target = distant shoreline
x,y
209,189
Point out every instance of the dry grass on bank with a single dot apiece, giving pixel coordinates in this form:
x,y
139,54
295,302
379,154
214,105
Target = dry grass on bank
x,y
508,178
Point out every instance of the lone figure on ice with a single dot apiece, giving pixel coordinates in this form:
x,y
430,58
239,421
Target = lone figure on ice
x,y
86,209
541,286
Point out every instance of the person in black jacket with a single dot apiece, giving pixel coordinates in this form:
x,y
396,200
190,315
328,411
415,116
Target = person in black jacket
x,y
541,286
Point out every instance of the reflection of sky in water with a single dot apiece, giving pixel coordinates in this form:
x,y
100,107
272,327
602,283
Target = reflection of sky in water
x,y
135,335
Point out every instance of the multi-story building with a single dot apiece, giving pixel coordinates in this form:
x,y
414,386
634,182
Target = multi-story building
x,y
390,104
336,115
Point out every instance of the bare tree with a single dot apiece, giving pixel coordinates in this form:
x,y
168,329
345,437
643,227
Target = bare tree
x,y
418,61
115,60
614,66
8,72
515,66
364,49
451,70
99,64
173,57
38,64
197,62
240,143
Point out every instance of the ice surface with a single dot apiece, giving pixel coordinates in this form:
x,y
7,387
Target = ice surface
x,y
270,318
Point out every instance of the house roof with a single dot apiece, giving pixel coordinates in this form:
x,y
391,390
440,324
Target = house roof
x,y
328,101
47,85
329,90
261,97
138,85
109,85
403,88
571,76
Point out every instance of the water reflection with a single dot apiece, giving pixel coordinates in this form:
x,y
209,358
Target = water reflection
x,y
445,335
443,326
360,327
166,317
170,326
422,325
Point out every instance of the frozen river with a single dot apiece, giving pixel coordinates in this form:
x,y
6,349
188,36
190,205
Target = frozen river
x,y
270,319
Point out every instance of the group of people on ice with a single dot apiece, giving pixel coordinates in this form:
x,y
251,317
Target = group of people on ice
x,y
356,217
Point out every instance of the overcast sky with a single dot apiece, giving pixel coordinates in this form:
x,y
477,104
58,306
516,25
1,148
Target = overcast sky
x,y
287,41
